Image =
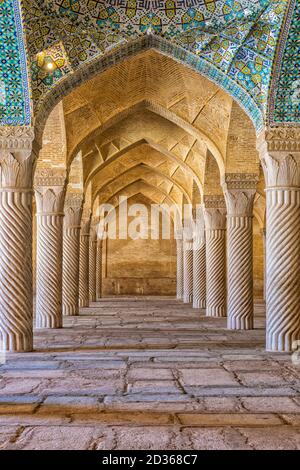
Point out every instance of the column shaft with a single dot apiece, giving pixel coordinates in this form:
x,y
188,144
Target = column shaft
x,y
187,271
92,269
84,269
240,272
215,236
16,308
215,273
199,260
70,270
179,271
283,268
99,269
240,189
263,234
49,271
73,209
49,195
199,276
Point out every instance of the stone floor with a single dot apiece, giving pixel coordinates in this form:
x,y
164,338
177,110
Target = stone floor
x,y
149,374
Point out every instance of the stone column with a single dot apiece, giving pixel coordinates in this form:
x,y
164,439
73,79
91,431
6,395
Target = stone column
x,y
179,265
239,190
16,307
99,269
215,234
280,157
73,211
199,263
92,262
188,265
84,262
49,195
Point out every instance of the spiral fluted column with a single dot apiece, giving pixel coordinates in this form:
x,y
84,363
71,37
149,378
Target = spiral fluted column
x,y
179,267
50,202
199,262
93,262
215,234
16,308
71,231
84,263
187,267
99,269
239,192
280,157
263,234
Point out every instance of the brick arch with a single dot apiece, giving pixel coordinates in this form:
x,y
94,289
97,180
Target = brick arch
x,y
144,43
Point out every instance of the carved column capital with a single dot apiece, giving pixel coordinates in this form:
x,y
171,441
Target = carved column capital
x,y
215,212
73,210
239,191
16,157
50,199
279,149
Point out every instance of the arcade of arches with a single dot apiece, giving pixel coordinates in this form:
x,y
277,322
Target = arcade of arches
x,y
150,335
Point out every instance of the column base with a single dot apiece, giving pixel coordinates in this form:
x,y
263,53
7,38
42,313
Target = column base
x,y
46,324
83,303
215,311
187,298
239,323
199,303
70,310
16,344
282,344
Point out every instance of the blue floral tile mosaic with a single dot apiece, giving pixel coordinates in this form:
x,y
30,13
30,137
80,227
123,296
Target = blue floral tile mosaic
x,y
14,95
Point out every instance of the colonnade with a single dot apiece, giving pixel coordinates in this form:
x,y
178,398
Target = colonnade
x,y
226,229
222,274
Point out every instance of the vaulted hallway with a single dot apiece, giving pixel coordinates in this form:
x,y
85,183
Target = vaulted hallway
x,y
149,373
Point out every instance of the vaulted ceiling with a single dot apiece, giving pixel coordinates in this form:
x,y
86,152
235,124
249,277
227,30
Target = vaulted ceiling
x,y
151,122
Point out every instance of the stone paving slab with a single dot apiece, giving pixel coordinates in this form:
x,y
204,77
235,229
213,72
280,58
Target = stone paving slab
x,y
149,374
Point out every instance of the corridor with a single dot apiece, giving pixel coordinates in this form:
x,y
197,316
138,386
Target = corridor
x,y
149,373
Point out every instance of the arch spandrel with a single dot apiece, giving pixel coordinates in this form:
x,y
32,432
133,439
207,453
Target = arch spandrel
x,y
53,153
212,177
241,153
